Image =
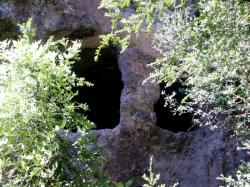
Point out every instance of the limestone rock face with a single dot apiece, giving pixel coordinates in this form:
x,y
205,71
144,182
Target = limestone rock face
x,y
194,159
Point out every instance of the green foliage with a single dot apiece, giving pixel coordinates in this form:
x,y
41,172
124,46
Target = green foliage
x,y
129,16
28,32
110,39
242,174
242,177
153,179
210,55
37,113
124,184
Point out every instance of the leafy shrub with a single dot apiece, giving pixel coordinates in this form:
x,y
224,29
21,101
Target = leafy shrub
x,y
242,177
153,179
36,94
129,16
210,55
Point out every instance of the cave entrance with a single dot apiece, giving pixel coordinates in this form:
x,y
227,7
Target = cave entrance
x,y
165,117
103,98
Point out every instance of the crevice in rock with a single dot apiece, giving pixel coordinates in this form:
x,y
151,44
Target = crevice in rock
x,y
166,118
103,98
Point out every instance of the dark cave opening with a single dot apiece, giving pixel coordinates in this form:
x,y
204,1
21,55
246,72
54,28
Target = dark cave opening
x,y
166,118
103,98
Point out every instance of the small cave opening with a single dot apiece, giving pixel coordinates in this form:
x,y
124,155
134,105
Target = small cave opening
x,y
166,119
103,98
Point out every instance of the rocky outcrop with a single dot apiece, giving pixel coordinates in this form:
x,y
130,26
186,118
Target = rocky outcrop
x,y
76,19
194,159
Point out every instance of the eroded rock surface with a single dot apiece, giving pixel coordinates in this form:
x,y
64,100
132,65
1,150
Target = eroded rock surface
x,y
76,19
194,159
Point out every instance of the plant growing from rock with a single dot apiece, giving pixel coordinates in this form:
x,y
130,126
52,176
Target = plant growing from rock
x,y
152,179
205,46
36,83
129,16
209,54
242,177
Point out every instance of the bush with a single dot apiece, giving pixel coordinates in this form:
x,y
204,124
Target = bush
x,y
204,46
242,177
209,54
36,83
129,16
152,179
